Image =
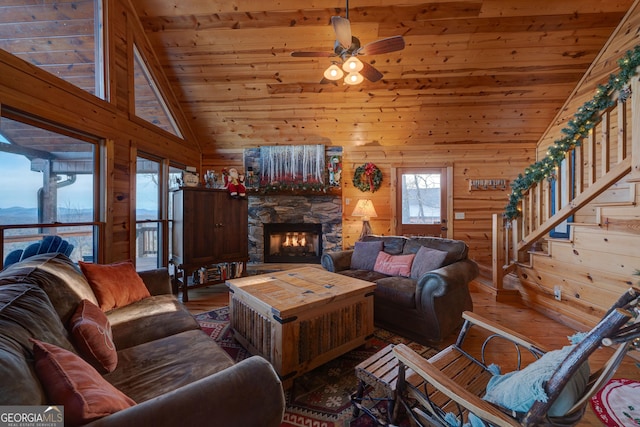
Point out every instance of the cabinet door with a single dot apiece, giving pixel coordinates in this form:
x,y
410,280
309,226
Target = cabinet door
x,y
198,227
232,225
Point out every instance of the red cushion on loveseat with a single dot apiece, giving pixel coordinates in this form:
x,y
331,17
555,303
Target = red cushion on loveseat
x,y
70,381
91,333
115,285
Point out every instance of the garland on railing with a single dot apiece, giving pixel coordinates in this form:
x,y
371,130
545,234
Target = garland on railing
x,y
583,121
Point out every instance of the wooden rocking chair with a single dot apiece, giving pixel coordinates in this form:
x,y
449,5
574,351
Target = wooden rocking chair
x,y
444,389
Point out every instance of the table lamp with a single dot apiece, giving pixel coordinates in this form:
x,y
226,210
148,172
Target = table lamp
x,y
365,209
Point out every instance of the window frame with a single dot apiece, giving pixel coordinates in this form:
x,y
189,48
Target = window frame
x,y
97,223
164,220
140,60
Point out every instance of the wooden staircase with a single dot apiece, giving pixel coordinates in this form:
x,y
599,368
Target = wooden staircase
x,y
608,154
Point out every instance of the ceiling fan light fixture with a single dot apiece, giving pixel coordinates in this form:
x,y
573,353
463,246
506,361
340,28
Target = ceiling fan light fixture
x,y
333,72
352,65
346,48
354,78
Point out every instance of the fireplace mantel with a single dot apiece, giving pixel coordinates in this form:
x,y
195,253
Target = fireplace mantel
x,y
287,192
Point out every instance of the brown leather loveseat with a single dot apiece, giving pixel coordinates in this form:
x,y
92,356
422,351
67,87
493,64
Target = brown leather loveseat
x,y
422,283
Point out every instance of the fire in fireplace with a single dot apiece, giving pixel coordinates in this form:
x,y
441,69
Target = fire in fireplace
x,y
288,242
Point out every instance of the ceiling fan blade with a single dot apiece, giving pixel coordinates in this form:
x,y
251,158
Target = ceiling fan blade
x,y
390,44
342,28
325,81
312,54
370,73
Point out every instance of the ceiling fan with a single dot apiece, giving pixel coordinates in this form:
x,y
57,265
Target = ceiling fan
x,y
347,48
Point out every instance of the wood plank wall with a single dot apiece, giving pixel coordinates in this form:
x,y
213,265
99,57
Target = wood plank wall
x,y
27,88
598,262
625,37
592,269
474,161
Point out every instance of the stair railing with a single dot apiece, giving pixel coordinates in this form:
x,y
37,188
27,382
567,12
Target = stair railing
x,y
609,152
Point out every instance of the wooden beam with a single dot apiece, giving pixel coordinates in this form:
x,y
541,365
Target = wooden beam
x,y
27,152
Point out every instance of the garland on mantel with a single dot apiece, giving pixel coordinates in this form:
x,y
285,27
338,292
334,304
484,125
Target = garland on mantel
x,y
578,128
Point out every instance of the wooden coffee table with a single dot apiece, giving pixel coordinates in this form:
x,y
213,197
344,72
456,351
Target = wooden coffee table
x,y
301,318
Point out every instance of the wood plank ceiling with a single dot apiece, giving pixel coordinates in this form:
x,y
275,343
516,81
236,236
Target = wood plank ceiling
x,y
472,72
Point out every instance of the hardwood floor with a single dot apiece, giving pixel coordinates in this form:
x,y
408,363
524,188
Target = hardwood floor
x,y
206,299
516,316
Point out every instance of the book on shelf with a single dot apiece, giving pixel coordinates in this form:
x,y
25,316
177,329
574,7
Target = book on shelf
x,y
218,272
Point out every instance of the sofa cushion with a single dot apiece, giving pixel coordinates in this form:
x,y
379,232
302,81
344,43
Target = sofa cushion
x,y
70,381
60,278
394,265
149,319
115,285
157,367
91,333
365,254
392,245
398,290
426,260
456,249
367,275
25,313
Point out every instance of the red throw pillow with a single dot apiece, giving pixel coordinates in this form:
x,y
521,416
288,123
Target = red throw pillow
x,y
91,332
115,285
394,265
70,381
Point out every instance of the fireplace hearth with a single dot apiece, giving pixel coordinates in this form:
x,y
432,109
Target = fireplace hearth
x,y
292,242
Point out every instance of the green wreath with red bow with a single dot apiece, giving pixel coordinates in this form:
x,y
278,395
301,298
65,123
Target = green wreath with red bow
x,y
367,177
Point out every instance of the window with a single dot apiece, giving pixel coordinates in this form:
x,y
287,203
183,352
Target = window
x,y
148,217
153,226
562,192
149,103
49,186
62,38
175,174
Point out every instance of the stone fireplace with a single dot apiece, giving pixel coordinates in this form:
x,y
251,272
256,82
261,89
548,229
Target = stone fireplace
x,y
319,215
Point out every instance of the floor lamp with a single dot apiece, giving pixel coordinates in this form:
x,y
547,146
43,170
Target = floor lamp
x,y
365,209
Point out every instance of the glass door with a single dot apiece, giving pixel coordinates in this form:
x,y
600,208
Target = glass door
x,y
421,202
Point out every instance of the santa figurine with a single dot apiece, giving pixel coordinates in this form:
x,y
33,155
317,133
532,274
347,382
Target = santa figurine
x,y
235,184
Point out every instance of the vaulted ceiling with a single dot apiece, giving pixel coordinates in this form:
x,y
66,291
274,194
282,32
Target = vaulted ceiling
x,y
472,71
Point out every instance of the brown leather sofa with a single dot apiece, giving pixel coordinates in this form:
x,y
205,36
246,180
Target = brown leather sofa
x,y
175,373
427,307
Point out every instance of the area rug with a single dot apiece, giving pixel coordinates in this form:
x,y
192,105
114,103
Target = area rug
x,y
320,397
618,403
